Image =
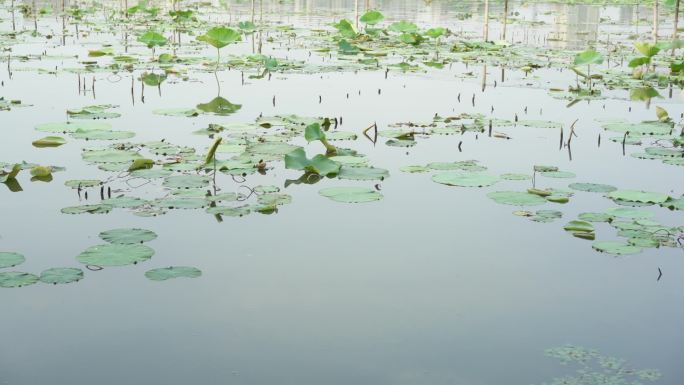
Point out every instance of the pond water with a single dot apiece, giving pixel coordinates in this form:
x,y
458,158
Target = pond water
x,y
432,284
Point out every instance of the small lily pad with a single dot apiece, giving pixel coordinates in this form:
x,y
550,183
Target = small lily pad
x,y
350,194
9,259
61,275
127,236
162,274
616,248
17,279
516,198
115,255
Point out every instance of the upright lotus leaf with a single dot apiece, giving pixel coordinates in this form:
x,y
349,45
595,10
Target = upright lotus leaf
x,y
9,259
647,49
152,79
219,37
345,29
372,17
403,26
638,196
41,171
351,194
219,106
152,39
320,164
247,26
347,48
115,255
313,132
411,38
165,273
49,141
61,275
435,33
17,279
588,57
643,94
127,236
662,114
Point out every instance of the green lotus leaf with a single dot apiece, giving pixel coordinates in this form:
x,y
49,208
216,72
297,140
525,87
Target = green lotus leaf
x,y
465,179
638,196
516,198
219,37
68,127
592,187
624,212
579,226
595,217
152,39
101,134
590,56
88,209
61,275
372,17
9,259
115,255
187,181
350,194
162,274
403,26
615,248
558,174
643,128
127,236
345,28
219,106
274,199
363,173
319,164
17,279
110,156
49,141
516,177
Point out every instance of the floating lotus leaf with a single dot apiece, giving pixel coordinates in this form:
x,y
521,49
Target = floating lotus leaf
x,y
49,141
82,183
579,226
124,202
319,164
415,169
61,275
465,179
219,106
275,148
615,248
543,168
341,135
186,112
350,194
592,187
88,209
363,173
638,196
663,152
644,128
558,174
68,127
545,216
274,199
401,143
102,134
516,176
181,203
115,255
223,197
9,259
516,198
165,273
229,210
539,124
17,279
674,204
266,189
187,181
110,156
127,236
349,160
94,112
644,242
595,217
623,212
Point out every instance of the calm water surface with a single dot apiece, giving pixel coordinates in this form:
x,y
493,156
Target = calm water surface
x,y
431,285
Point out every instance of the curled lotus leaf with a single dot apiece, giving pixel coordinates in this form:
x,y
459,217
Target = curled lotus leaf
x,y
61,275
162,274
115,255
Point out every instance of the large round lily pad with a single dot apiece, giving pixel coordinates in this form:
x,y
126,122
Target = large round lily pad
x,y
61,275
516,198
8,259
616,248
187,181
592,187
465,179
17,279
165,273
115,255
350,194
127,236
